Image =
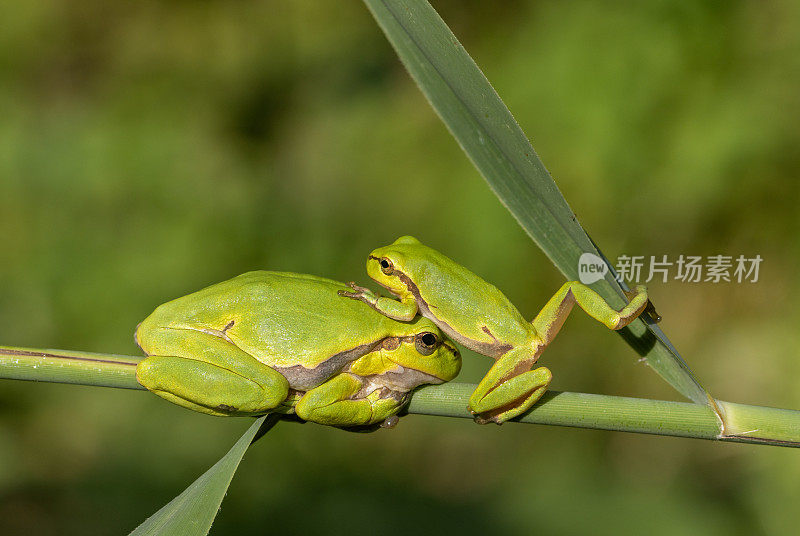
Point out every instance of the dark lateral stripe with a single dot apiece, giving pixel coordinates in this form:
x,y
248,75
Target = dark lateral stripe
x,y
306,378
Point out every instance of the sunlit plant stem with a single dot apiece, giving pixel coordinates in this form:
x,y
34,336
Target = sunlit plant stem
x,y
748,424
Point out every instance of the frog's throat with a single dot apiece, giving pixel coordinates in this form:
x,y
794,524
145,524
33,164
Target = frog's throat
x,y
398,381
493,349
407,379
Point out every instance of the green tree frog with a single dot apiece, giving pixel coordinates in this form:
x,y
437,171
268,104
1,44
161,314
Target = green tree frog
x,y
477,315
283,342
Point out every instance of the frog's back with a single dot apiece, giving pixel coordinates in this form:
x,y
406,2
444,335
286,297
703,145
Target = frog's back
x,y
453,291
281,318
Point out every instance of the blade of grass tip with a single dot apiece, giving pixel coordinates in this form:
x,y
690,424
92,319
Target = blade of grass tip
x,y
487,132
192,512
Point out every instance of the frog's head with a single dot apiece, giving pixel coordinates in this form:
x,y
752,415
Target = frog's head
x,y
425,349
396,266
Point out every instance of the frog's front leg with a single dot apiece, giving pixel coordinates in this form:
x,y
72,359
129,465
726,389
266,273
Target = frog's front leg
x,y
206,373
335,403
510,387
404,310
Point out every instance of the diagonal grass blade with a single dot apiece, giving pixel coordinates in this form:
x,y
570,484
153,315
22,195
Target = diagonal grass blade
x,y
192,512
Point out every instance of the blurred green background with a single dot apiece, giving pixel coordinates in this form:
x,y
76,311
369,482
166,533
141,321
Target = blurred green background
x,y
149,149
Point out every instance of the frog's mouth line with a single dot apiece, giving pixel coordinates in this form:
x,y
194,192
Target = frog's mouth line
x,y
400,276
393,292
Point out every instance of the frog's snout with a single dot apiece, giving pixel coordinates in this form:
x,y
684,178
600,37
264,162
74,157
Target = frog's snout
x,y
373,268
136,335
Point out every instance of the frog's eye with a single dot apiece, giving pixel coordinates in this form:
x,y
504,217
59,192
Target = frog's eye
x,y
386,266
426,342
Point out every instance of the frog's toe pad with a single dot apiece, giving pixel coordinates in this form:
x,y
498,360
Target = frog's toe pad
x,y
390,422
479,419
650,311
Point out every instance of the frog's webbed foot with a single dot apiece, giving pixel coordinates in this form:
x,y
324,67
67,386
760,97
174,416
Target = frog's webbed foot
x,y
651,312
359,293
638,304
649,309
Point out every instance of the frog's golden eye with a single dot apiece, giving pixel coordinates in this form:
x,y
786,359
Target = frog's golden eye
x,y
426,342
386,266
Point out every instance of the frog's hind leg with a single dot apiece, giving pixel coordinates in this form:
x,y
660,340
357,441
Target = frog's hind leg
x,y
552,316
510,387
206,373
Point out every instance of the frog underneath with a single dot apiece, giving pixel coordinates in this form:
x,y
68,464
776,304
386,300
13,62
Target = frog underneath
x,y
282,342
